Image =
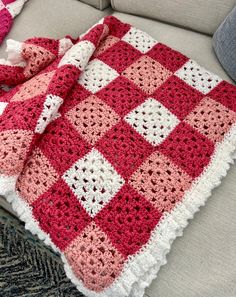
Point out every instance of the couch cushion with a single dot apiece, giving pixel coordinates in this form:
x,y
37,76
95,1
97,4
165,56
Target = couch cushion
x,y
100,4
202,15
55,19
224,41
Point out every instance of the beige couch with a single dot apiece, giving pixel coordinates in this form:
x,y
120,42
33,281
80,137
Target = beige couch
x,y
202,263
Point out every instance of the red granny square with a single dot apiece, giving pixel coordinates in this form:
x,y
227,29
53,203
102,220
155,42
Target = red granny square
x,y
116,27
128,220
60,214
62,139
124,148
225,93
122,95
168,57
188,148
177,96
24,118
120,56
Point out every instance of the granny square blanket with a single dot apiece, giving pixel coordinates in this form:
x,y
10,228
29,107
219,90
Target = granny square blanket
x,y
108,145
9,9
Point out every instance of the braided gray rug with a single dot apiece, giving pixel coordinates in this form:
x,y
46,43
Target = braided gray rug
x,y
27,267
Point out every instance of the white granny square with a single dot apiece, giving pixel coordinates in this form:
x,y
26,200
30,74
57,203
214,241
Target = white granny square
x,y
140,40
198,77
152,120
97,75
94,181
78,55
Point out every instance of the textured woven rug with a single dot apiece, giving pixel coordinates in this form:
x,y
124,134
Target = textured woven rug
x,y
27,266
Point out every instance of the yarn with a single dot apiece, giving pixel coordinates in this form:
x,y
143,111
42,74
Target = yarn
x,y
8,10
108,145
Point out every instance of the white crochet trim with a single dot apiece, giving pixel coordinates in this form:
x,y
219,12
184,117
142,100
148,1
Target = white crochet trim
x,y
14,50
78,55
3,105
49,113
7,184
141,269
15,8
14,58
64,45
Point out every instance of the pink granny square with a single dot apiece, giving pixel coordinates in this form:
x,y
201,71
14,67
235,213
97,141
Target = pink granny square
x,y
212,119
94,259
147,74
86,120
161,182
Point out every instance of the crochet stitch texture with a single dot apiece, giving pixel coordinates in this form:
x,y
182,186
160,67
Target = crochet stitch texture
x,y
108,146
8,10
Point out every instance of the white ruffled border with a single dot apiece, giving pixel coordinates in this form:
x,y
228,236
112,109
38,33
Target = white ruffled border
x,y
142,268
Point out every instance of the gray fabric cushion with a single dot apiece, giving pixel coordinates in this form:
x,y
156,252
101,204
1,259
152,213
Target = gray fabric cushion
x,y
100,4
224,41
201,15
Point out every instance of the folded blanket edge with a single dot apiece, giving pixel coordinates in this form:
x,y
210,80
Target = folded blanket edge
x,y
143,268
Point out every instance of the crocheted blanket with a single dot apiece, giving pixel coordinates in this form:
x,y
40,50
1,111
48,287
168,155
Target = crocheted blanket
x,y
9,9
108,145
